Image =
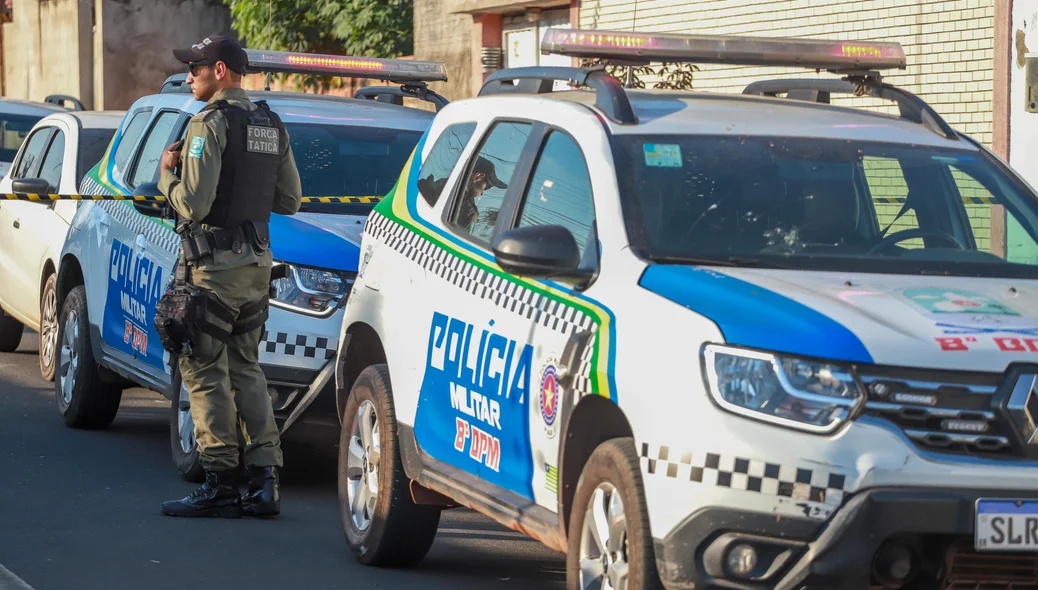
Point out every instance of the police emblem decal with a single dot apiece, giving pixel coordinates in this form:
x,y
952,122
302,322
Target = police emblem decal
x,y
195,150
549,397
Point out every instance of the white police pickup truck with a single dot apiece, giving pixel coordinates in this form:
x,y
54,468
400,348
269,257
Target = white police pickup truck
x,y
120,256
701,340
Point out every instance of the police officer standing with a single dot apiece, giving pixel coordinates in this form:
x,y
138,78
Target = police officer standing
x,y
236,167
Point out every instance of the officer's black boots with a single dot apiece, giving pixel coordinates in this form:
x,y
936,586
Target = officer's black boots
x,y
263,497
218,496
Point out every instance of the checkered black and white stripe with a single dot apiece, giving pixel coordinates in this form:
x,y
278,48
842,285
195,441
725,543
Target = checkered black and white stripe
x,y
750,475
124,213
582,380
298,345
508,295
158,235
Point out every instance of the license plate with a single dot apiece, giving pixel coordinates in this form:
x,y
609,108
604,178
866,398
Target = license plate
x,y
1006,525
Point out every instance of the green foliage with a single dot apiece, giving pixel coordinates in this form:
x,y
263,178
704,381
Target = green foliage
x,y
671,76
369,28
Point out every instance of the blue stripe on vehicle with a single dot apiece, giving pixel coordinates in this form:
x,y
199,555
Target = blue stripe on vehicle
x,y
296,241
752,316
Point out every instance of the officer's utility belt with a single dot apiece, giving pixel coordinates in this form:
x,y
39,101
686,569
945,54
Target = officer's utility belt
x,y
183,314
199,242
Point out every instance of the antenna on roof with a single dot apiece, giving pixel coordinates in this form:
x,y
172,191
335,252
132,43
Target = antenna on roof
x,y
270,17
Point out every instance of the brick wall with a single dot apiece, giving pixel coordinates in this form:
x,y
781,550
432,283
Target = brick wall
x,y
949,45
442,36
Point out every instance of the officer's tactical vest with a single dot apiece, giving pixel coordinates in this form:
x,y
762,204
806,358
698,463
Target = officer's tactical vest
x,y
249,167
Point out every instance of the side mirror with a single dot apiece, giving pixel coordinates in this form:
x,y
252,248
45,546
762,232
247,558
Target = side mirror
x,y
150,208
539,251
36,186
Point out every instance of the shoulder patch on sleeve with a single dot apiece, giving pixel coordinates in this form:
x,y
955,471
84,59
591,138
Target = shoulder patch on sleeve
x,y
197,144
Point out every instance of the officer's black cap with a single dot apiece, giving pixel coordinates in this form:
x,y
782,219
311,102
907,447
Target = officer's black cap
x,y
487,167
215,48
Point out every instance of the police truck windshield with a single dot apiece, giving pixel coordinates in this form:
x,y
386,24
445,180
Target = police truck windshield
x,y
348,161
825,204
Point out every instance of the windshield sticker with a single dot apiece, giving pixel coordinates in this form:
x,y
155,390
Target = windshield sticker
x,y
959,302
662,155
197,143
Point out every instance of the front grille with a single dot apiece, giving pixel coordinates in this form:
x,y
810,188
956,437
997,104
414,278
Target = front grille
x,y
968,570
944,412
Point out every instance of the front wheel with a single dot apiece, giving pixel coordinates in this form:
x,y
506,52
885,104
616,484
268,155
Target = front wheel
x,y
83,399
382,524
49,327
610,544
182,432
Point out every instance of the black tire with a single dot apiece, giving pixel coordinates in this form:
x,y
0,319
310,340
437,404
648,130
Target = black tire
x,y
49,327
188,464
90,403
399,532
615,463
11,331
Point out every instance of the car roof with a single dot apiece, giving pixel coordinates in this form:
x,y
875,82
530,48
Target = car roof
x,y
296,107
89,119
683,112
16,106
99,119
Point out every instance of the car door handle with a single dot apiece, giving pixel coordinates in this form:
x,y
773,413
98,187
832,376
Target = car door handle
x,y
141,242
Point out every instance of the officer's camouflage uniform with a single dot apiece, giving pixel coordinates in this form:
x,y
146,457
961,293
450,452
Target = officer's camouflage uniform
x,y
222,378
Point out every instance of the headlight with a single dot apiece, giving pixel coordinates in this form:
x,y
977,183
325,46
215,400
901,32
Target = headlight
x,y
807,395
311,291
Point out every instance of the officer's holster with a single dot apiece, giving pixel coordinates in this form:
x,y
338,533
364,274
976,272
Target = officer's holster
x,y
181,315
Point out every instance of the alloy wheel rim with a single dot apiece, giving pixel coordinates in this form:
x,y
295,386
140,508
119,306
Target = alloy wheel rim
x,y
603,541
362,465
69,359
185,426
49,328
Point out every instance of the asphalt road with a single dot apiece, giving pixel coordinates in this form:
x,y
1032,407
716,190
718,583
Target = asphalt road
x,y
80,510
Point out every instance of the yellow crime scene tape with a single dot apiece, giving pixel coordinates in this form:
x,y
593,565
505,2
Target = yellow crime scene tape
x,y
966,200
41,197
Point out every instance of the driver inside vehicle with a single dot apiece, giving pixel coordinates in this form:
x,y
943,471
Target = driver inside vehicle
x,y
483,177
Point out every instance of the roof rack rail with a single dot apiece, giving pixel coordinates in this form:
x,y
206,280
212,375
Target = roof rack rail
x,y
61,99
858,61
911,107
395,95
177,83
611,97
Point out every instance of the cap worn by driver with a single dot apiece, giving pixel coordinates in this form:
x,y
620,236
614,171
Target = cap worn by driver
x,y
215,48
487,168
